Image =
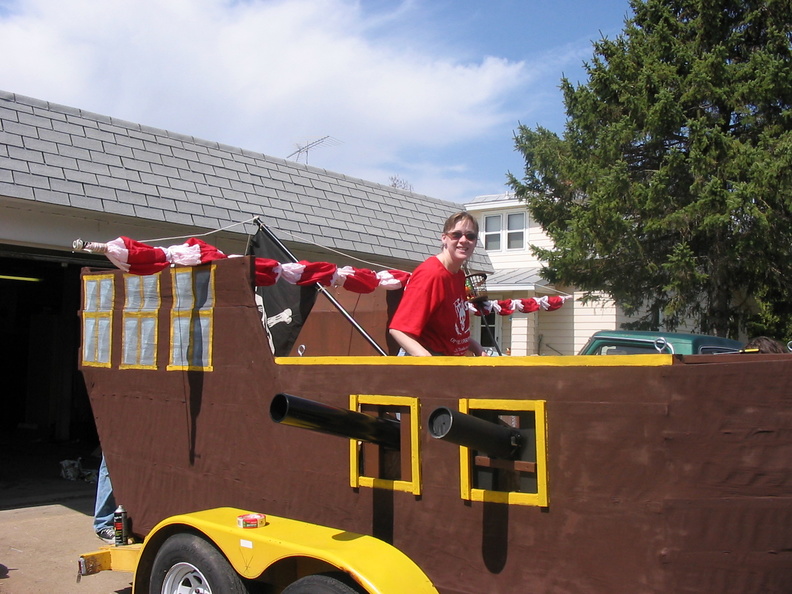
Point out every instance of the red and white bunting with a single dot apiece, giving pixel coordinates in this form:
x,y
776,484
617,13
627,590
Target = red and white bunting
x,y
140,258
507,307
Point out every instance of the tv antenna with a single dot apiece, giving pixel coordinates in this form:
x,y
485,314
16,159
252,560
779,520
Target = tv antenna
x,y
302,150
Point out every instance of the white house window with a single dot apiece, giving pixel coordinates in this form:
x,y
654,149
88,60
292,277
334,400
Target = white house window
x,y
492,233
504,230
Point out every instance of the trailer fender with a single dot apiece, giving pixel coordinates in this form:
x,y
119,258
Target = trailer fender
x,y
378,567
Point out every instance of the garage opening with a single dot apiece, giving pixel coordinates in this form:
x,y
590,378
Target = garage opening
x,y
43,391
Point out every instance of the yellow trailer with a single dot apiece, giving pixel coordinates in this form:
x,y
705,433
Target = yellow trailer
x,y
213,552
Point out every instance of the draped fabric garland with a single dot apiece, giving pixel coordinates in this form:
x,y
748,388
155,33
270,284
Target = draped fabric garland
x,y
140,258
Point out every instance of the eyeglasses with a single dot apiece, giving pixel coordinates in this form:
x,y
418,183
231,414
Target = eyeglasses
x,y
455,235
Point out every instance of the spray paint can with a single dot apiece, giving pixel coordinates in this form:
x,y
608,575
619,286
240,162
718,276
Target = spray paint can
x,y
120,525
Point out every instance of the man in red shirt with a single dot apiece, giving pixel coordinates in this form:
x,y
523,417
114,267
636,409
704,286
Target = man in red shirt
x,y
432,318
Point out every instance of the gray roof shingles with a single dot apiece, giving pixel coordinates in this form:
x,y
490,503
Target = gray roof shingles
x,y
57,154
516,277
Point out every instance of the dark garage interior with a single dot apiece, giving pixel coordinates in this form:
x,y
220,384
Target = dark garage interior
x,y
45,414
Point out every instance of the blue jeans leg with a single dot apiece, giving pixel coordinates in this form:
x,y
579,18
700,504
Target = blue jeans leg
x,y
105,502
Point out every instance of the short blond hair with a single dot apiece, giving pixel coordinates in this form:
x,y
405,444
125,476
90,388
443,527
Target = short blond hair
x,y
459,217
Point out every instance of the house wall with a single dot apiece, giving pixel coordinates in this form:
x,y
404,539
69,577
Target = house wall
x,y
563,331
535,235
593,316
524,335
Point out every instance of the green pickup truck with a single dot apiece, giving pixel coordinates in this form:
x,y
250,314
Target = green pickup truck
x,y
625,342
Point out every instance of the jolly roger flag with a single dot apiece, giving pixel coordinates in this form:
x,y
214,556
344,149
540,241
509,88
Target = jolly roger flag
x,y
286,306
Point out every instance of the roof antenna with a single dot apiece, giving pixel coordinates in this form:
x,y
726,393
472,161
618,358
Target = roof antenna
x,y
302,150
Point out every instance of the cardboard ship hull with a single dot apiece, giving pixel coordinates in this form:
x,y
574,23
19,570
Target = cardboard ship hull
x,y
655,473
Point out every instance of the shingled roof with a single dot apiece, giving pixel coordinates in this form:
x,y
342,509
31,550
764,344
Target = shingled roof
x,y
57,155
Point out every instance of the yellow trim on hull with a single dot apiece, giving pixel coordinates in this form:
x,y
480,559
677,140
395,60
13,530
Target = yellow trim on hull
x,y
554,361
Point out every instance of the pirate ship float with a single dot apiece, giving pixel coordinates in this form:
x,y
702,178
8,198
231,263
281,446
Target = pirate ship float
x,y
651,473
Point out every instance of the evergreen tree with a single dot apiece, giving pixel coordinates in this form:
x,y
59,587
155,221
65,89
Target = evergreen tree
x,y
671,188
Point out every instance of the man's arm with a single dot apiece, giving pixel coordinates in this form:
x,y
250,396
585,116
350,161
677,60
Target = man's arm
x,y
409,343
475,347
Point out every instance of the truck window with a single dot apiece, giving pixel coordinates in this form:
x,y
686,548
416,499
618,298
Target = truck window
x,y
626,349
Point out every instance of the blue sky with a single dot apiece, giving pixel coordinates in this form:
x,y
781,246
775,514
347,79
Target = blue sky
x,y
430,91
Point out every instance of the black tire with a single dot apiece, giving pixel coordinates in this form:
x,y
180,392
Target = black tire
x,y
186,562
324,583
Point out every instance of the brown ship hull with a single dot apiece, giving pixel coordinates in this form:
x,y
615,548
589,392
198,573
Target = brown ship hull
x,y
650,473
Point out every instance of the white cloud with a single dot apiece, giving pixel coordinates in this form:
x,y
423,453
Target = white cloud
x,y
264,75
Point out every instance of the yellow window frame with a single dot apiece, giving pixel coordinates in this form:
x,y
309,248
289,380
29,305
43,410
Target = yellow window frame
x,y
140,314
203,313
97,315
357,480
470,493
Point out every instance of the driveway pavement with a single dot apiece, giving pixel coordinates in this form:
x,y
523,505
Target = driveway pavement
x,y
46,520
40,546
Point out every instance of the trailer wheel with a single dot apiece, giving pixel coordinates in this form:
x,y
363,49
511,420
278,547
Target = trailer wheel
x,y
188,564
324,583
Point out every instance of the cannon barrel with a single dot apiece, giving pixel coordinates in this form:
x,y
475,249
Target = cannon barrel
x,y
316,416
466,430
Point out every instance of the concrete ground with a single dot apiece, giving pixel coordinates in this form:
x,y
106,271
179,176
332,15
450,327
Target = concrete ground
x,y
46,520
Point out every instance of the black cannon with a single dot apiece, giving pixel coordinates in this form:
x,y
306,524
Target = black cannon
x,y
316,416
484,436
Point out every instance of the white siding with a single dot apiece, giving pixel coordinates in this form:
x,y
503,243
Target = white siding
x,y
556,328
539,238
524,329
594,316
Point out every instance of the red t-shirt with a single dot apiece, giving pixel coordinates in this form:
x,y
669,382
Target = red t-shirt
x,y
434,310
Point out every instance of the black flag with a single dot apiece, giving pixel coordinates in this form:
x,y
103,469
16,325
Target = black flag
x,y
286,306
